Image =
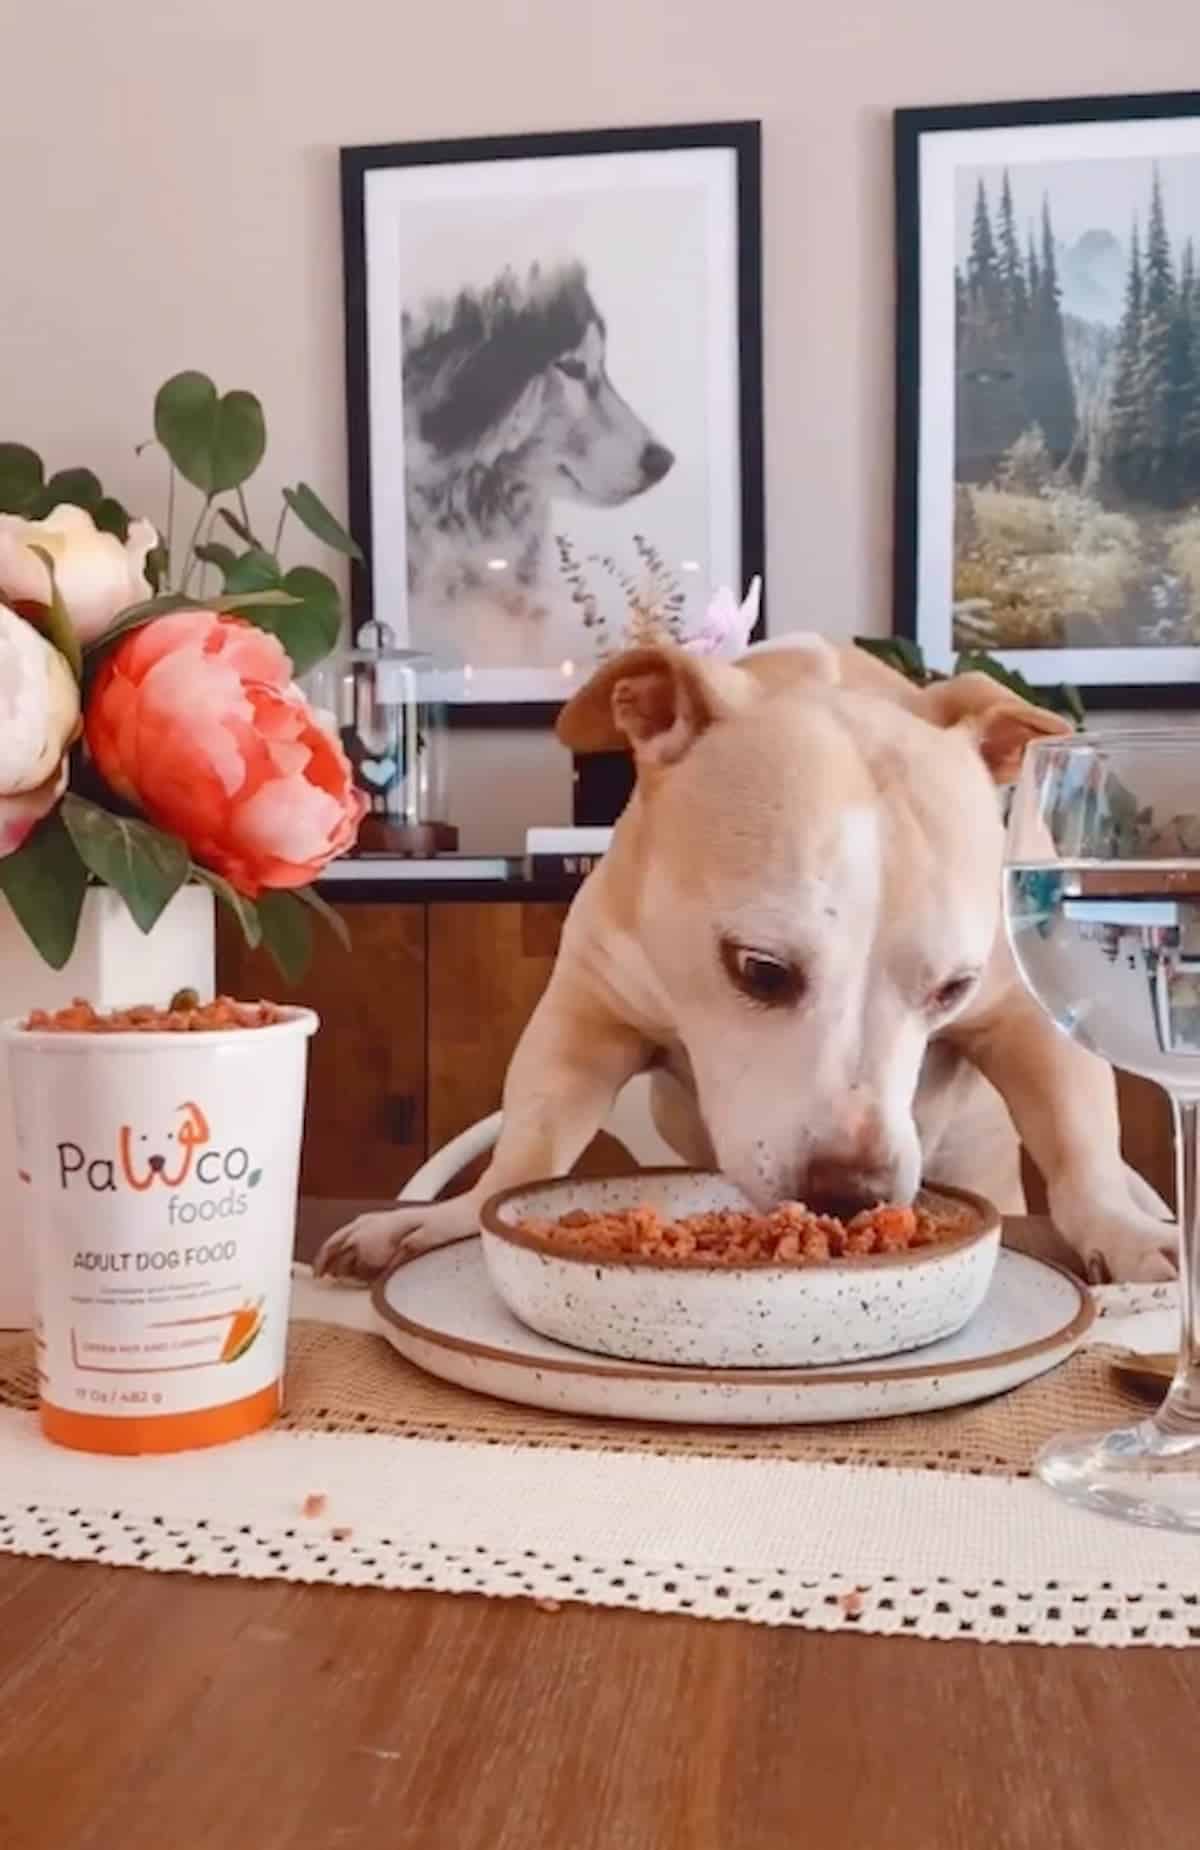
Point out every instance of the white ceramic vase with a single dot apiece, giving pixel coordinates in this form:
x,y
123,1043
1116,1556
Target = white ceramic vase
x,y
113,965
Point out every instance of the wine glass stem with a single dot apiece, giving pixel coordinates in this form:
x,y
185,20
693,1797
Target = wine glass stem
x,y
1180,1411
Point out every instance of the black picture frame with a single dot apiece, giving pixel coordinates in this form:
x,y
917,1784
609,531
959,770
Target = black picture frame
x,y
743,139
913,129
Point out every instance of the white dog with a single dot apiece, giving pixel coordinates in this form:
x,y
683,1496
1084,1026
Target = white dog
x,y
797,927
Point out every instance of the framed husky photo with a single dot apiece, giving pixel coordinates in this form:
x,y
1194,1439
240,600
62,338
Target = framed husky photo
x,y
554,384
1048,391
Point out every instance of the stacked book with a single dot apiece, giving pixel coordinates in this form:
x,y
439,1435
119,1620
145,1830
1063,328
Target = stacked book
x,y
557,854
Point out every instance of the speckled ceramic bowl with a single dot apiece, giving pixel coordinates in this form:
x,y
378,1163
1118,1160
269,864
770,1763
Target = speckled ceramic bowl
x,y
760,1315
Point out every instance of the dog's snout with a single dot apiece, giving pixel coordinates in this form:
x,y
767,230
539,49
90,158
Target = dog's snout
x,y
855,1170
157,1164
833,1187
656,459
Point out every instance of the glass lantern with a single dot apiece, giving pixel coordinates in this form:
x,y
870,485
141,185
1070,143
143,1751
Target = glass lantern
x,y
391,716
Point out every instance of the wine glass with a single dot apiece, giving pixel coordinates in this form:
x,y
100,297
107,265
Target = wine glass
x,y
1102,905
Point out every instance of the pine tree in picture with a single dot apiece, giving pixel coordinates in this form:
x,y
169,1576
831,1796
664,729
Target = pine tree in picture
x,y
1049,392
1048,480
1128,441
1077,441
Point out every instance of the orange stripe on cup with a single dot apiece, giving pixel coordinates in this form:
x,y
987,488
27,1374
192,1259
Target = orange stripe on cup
x,y
162,1432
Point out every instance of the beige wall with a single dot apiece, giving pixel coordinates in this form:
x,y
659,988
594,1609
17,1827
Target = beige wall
x,y
169,183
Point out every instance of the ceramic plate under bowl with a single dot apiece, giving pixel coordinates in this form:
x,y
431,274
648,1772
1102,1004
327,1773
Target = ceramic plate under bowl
x,y
757,1315
439,1311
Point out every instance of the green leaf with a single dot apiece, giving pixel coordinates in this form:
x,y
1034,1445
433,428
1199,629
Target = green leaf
x,y
21,477
44,883
323,910
254,1178
75,487
157,566
256,570
311,511
132,619
239,526
1064,700
169,602
250,600
897,652
900,653
1072,704
144,865
310,629
216,443
212,553
244,910
286,932
111,517
59,627
975,661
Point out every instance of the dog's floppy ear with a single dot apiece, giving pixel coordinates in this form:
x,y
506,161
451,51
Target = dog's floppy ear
x,y
1000,723
654,702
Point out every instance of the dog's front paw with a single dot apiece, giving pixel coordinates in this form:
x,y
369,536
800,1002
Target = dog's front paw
x,y
367,1246
1119,1244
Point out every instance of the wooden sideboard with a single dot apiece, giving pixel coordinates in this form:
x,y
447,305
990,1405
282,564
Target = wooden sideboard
x,y
420,1021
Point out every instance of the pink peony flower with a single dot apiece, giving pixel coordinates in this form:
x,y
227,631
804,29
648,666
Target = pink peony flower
x,y
195,719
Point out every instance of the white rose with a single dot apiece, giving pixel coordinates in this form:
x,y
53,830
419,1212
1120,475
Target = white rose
x,y
97,577
39,717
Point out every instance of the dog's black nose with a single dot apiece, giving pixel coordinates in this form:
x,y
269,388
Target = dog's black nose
x,y
156,1164
656,460
832,1187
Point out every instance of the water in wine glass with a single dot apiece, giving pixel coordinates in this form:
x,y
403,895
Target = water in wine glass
x,y
1102,906
1112,952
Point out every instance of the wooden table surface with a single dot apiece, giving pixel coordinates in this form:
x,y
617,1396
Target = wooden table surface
x,y
156,1712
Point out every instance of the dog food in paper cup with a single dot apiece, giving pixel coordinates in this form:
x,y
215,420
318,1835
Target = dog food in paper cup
x,y
160,1155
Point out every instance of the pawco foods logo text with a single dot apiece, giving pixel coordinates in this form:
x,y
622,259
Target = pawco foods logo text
x,y
176,1156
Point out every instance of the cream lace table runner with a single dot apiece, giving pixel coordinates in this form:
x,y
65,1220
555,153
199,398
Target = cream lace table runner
x,y
926,1525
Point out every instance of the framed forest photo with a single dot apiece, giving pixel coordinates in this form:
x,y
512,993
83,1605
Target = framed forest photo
x,y
1048,391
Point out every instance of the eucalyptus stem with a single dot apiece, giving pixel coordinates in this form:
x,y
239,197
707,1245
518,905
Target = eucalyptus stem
x,y
245,513
208,539
191,549
283,514
170,521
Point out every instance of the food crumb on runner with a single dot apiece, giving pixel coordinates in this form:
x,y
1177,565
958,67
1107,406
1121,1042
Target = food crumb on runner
x,y
851,1603
314,1503
548,1605
342,1532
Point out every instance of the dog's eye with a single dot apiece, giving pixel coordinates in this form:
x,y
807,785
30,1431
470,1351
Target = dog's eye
x,y
950,994
763,977
574,369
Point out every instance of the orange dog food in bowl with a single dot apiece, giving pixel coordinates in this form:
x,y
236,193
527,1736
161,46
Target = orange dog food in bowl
x,y
677,1266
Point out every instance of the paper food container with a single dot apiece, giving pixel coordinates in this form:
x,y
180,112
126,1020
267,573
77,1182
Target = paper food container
x,y
160,1176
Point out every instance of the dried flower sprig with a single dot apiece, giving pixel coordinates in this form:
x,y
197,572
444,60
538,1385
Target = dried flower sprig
x,y
651,599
